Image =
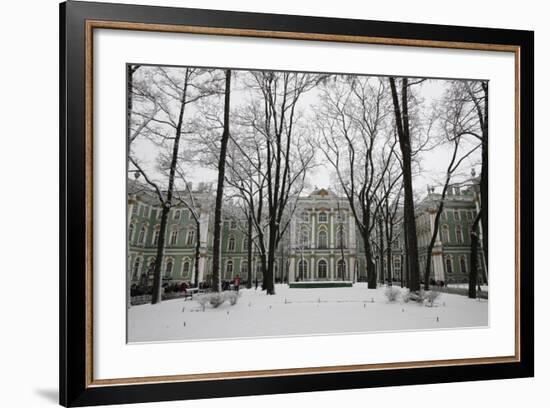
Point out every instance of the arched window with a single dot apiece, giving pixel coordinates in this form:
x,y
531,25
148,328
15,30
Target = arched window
x,y
445,234
191,237
322,244
341,269
304,238
457,215
244,268
322,269
135,271
131,232
174,237
245,244
459,237
341,217
233,224
341,237
397,267
229,269
168,268
449,265
141,237
322,216
231,244
186,267
151,266
177,214
305,217
302,269
463,268
156,234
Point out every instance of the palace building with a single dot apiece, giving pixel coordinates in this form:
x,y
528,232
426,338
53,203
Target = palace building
x,y
321,242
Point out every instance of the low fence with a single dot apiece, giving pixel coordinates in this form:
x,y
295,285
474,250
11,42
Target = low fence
x,y
482,294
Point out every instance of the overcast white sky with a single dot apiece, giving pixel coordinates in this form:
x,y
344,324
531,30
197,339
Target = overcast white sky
x,y
433,163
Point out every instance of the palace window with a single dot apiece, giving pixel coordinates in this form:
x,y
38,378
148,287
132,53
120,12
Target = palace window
x,y
244,268
341,268
168,268
341,237
459,237
445,234
137,264
135,208
186,268
231,244
322,269
469,215
457,215
340,217
151,266
191,237
463,268
177,214
304,238
449,265
229,269
245,244
323,217
302,269
174,238
131,232
141,237
397,266
233,224
322,244
156,234
305,217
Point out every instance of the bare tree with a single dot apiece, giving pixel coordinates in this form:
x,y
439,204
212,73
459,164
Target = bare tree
x,y
216,257
284,163
355,141
453,112
401,111
170,91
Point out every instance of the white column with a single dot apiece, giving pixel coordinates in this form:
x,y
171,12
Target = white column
x,y
312,268
351,235
313,229
291,270
202,262
331,221
331,273
439,273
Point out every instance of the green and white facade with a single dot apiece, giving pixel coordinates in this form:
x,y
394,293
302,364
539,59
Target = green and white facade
x,y
321,243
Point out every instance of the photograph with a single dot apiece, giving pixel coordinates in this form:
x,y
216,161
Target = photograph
x,y
265,203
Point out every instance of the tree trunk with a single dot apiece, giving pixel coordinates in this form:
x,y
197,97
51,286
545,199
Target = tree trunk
x,y
197,253
402,122
427,271
381,250
216,254
389,263
249,252
371,267
485,180
474,244
157,273
267,282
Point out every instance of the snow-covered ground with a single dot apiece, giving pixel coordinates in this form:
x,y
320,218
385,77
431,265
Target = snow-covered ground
x,y
300,312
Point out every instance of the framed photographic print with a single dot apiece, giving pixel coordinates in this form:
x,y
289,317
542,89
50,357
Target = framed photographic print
x,y
255,203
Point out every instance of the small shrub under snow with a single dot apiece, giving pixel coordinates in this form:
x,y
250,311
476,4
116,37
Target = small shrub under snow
x,y
216,299
232,297
392,293
406,295
430,297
